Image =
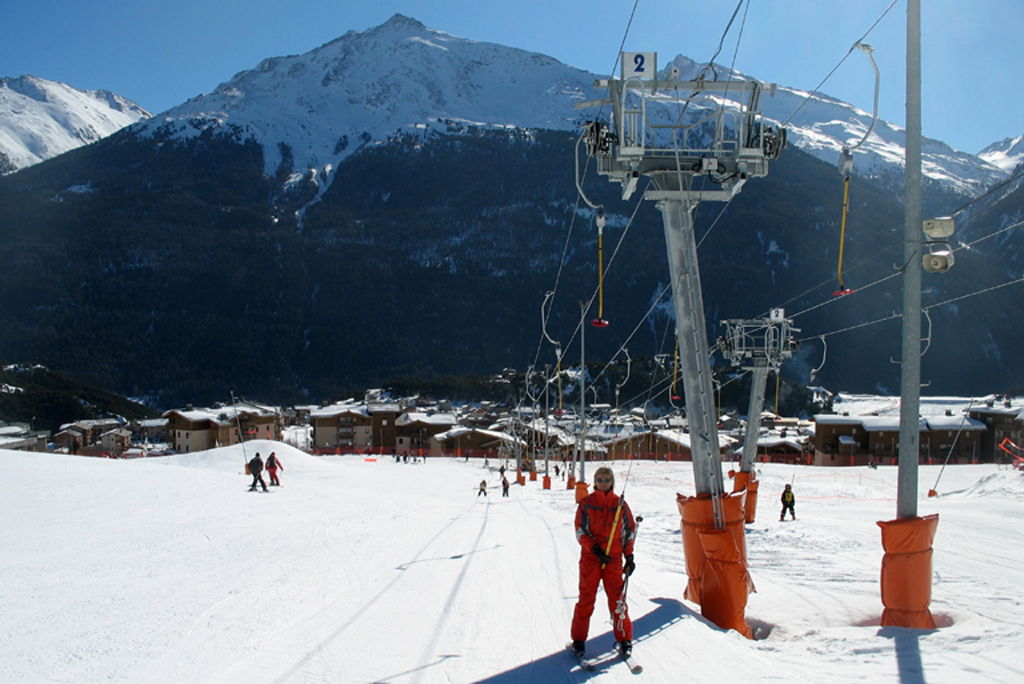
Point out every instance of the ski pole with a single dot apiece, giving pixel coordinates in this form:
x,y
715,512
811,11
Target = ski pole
x,y
618,514
620,604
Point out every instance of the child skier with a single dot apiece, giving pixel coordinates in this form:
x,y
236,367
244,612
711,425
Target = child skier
x,y
788,503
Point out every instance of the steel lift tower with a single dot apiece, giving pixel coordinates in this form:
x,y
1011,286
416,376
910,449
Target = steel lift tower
x,y
694,140
758,345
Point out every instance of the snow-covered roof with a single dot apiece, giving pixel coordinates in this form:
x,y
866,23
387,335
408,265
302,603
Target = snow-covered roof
x,y
833,419
954,423
340,409
426,418
771,441
887,423
683,438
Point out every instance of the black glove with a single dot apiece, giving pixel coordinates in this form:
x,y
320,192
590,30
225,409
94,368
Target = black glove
x,y
629,565
601,555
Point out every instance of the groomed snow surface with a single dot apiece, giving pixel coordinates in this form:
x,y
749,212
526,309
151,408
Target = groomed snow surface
x,y
169,570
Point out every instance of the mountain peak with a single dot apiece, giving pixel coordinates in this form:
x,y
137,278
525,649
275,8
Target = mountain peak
x,y
398,19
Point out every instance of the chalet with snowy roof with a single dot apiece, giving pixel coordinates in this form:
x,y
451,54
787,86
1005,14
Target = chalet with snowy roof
x,y
345,426
780,446
861,440
956,438
115,442
149,430
467,442
1002,422
383,419
196,429
82,434
659,445
21,437
415,432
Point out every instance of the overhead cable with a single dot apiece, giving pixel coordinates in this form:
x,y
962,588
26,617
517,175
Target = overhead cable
x,y
836,67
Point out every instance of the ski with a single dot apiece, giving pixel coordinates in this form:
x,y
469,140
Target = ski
x,y
587,664
634,667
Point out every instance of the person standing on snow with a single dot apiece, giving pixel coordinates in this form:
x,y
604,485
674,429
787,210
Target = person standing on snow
x,y
504,486
605,530
788,503
483,488
256,468
273,463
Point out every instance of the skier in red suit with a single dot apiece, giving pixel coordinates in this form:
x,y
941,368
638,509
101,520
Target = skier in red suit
x,y
601,516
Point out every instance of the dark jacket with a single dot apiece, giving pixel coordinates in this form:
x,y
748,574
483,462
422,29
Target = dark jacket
x,y
256,465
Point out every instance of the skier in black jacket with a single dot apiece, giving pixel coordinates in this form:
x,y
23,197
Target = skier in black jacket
x,y
256,468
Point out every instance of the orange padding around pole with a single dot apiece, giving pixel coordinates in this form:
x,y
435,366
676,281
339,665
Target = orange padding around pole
x,y
907,571
749,482
581,491
716,559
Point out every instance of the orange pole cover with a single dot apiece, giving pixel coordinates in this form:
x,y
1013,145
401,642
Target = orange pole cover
x,y
907,571
581,491
716,559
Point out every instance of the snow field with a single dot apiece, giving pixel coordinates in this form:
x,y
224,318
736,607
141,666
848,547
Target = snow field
x,y
169,570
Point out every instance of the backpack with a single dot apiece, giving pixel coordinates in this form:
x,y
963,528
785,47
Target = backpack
x,y
272,461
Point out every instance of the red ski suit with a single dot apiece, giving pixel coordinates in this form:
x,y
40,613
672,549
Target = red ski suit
x,y
594,517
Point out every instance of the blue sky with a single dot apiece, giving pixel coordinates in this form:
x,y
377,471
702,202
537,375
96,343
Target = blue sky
x,y
161,53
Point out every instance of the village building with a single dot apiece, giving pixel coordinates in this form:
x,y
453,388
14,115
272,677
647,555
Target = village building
x,y
660,445
415,432
866,440
21,437
1004,422
345,426
83,436
468,442
193,429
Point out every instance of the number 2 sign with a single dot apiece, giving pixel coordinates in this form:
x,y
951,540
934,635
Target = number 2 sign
x,y
642,65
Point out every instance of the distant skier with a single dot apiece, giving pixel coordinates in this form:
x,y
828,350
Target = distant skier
x,y
501,470
483,488
504,486
256,468
788,503
605,530
273,465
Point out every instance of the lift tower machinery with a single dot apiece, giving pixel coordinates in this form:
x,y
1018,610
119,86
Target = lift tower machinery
x,y
693,140
758,345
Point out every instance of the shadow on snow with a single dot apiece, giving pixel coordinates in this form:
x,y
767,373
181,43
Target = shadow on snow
x,y
562,666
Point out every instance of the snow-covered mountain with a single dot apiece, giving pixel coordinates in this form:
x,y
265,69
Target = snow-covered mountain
x,y
1006,154
318,107
367,85
822,125
40,119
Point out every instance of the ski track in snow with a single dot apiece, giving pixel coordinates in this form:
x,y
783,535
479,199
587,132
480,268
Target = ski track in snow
x,y
167,570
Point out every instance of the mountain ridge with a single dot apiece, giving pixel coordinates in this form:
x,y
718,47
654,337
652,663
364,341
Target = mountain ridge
x,y
40,119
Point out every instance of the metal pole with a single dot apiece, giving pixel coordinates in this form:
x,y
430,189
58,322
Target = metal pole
x,y
583,393
910,381
547,417
680,241
758,383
